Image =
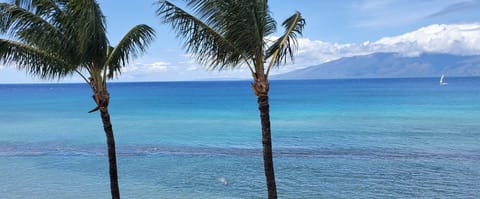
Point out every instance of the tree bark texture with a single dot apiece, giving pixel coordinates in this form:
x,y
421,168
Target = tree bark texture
x,y
112,156
264,108
102,99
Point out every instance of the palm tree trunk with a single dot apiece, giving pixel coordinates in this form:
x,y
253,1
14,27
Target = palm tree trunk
x,y
112,156
103,100
264,109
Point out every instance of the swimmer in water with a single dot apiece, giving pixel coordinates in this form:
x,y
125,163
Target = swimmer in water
x,y
223,180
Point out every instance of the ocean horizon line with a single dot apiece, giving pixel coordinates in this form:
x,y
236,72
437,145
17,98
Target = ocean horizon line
x,y
232,80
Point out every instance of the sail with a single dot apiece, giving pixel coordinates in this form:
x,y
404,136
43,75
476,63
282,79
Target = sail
x,y
442,80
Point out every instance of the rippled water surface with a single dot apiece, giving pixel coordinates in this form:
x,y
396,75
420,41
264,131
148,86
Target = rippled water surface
x,y
372,138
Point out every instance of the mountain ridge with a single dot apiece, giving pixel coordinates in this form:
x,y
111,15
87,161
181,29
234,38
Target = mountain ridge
x,y
390,65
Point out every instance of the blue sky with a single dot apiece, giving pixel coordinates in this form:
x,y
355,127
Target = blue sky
x,y
338,28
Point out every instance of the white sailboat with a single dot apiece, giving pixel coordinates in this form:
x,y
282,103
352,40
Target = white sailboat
x,y
442,80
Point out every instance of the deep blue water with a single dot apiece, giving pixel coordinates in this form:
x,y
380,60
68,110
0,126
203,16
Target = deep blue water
x,y
368,138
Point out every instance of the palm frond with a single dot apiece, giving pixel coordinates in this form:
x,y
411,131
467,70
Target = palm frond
x,y
40,7
270,25
27,4
131,45
37,62
15,19
286,45
87,25
243,23
204,38
33,29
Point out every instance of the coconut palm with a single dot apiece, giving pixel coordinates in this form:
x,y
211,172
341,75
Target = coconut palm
x,y
52,39
225,34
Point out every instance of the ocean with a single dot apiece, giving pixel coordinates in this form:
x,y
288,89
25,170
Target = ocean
x,y
357,138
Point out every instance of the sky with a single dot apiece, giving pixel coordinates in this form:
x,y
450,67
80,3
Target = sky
x,y
334,29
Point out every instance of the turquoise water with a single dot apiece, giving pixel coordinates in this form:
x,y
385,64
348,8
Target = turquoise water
x,y
370,138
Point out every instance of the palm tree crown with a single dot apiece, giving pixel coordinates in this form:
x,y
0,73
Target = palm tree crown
x,y
55,38
230,33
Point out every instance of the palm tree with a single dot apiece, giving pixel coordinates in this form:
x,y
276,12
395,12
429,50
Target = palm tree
x,y
227,34
52,39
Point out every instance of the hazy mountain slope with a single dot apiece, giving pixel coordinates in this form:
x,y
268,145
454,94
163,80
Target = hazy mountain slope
x,y
390,65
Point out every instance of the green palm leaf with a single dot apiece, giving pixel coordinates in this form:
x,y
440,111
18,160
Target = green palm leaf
x,y
35,61
202,38
285,46
87,26
43,32
131,45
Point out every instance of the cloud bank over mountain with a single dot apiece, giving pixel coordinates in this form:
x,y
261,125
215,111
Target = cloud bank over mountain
x,y
428,51
455,39
460,39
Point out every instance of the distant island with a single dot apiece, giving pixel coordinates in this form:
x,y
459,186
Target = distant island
x,y
390,65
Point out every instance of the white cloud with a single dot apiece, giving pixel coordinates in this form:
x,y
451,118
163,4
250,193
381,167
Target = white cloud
x,y
462,39
151,67
180,71
158,67
459,39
